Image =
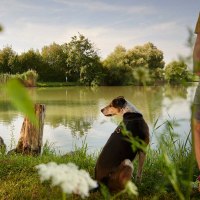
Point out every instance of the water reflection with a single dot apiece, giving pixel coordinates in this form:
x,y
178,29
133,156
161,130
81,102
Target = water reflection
x,y
75,111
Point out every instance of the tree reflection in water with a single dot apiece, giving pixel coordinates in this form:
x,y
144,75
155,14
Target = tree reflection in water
x,y
77,109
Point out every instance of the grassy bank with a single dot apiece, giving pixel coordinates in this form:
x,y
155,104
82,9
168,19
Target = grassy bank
x,y
168,172
56,84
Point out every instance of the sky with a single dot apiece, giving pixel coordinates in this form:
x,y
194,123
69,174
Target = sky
x,y
32,24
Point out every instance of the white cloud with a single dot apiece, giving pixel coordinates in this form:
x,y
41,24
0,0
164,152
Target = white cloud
x,y
25,33
36,35
97,5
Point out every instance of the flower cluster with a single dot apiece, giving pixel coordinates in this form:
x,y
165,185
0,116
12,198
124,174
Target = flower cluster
x,y
68,177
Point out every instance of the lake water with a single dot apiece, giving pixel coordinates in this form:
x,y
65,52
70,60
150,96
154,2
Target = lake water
x,y
73,113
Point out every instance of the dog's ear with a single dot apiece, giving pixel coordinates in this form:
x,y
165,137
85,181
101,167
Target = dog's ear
x,y
119,102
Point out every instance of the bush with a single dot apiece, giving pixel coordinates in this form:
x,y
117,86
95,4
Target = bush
x,y
118,75
176,72
28,78
4,78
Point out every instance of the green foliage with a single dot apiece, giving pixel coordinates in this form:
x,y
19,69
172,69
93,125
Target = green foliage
x,y
79,61
29,78
174,153
91,74
4,78
8,60
137,65
20,98
176,72
165,174
158,75
54,65
116,58
118,75
83,62
29,60
147,56
116,72
141,74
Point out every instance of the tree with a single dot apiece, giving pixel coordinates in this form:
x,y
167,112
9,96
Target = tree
x,y
116,58
29,60
83,62
8,60
91,74
158,75
54,62
176,72
117,72
147,56
141,74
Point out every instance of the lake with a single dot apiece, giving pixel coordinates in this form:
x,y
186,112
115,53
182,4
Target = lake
x,y
73,113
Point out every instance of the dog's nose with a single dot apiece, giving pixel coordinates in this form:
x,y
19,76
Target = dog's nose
x,y
102,110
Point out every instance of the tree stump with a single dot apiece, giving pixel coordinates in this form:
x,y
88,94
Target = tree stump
x,y
30,141
2,145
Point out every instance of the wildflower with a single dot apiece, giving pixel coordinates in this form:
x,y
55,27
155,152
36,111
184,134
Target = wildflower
x,y
68,177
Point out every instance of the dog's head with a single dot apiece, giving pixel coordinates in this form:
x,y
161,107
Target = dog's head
x,y
115,107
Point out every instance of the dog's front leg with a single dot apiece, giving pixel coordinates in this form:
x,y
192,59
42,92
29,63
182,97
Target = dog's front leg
x,y
142,157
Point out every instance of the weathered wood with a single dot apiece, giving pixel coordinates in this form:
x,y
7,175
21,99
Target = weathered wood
x,y
30,141
2,145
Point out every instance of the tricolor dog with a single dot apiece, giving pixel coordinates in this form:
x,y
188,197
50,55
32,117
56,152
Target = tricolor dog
x,y
114,166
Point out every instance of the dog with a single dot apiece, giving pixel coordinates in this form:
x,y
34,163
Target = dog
x,y
114,166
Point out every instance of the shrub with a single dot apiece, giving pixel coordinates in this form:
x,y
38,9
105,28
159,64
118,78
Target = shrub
x,y
4,78
176,72
28,78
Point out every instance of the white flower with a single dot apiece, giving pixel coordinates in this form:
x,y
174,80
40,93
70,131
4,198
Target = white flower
x,y
68,177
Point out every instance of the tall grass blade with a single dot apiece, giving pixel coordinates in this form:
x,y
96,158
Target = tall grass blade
x,y
20,99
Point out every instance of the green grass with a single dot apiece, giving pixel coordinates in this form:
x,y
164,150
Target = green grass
x,y
56,84
162,179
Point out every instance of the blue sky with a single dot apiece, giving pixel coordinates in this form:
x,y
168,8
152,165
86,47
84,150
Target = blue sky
x,y
107,23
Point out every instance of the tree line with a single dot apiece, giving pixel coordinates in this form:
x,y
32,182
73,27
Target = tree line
x,y
79,61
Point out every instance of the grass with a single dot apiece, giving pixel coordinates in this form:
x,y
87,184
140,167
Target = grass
x,y
56,84
168,171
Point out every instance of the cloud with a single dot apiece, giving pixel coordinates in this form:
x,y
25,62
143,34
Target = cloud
x,y
36,35
100,6
25,33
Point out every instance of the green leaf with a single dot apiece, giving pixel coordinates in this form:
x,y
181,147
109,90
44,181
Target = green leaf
x,y
20,99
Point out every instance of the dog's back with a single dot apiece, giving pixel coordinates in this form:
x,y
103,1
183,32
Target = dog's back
x,y
118,148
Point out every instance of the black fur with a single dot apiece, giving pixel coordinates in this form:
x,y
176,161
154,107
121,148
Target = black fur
x,y
118,148
119,102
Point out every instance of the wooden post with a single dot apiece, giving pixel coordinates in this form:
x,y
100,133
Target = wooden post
x,y
2,145
30,141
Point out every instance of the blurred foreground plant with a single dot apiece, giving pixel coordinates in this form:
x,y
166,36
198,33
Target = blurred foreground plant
x,y
20,99
68,177
174,153
130,188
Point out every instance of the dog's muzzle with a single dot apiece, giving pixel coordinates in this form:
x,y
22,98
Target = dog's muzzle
x,y
107,115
